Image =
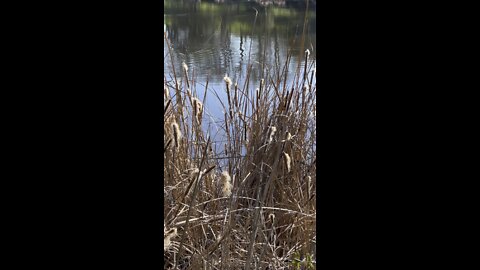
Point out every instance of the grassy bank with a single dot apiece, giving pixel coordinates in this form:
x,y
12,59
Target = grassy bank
x,y
252,205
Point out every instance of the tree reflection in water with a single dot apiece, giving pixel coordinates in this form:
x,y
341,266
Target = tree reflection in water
x,y
216,39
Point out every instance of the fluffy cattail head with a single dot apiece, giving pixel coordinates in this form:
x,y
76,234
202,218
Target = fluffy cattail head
x,y
177,135
166,93
226,184
271,217
197,108
289,136
194,173
306,87
309,186
185,67
227,80
272,133
307,52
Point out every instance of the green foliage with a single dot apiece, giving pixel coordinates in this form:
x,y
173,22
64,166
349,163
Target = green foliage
x,y
307,262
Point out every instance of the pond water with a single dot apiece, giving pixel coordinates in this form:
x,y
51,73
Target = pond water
x,y
215,39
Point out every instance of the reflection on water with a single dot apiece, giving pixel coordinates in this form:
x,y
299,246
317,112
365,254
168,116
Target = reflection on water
x,y
215,39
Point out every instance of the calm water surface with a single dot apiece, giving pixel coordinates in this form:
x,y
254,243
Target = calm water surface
x,y
215,39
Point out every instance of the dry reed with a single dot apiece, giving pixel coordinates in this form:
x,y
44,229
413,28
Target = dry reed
x,y
266,212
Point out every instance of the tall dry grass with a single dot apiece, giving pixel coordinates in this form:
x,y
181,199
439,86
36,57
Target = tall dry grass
x,y
257,210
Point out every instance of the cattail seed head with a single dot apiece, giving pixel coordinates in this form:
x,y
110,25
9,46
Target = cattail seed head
x,y
271,217
185,67
166,92
194,108
272,133
194,173
227,80
226,183
177,135
289,136
309,184
197,108
305,88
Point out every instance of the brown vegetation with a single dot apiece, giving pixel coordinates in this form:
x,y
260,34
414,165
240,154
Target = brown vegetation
x,y
258,209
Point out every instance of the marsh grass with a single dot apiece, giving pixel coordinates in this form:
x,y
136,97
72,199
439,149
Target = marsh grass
x,y
257,209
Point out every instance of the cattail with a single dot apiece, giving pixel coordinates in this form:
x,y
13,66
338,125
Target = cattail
x,y
176,134
210,150
226,182
194,173
228,81
288,161
167,238
309,183
194,107
197,108
272,133
307,52
185,67
262,84
306,88
289,136
305,74
271,217
166,93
